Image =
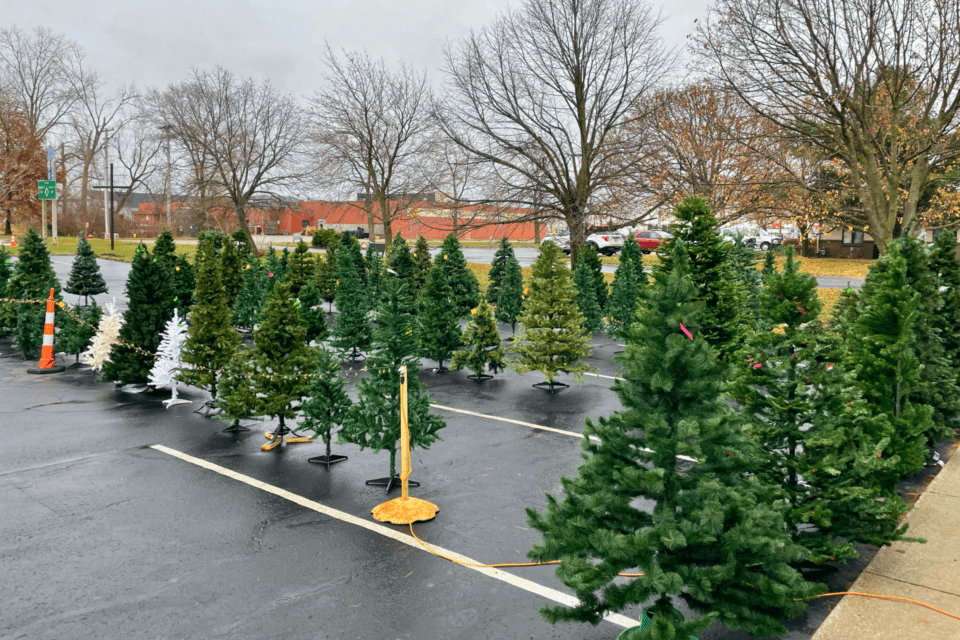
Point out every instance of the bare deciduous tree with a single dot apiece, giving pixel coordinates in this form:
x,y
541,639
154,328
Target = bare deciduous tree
x,y
244,139
21,161
545,96
371,127
873,84
138,149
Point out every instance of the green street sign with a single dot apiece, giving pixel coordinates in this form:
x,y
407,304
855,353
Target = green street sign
x,y
47,189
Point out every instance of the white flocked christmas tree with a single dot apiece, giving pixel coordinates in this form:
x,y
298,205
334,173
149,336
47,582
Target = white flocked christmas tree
x,y
107,334
168,364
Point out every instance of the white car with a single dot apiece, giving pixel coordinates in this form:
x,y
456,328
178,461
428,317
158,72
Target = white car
x,y
606,244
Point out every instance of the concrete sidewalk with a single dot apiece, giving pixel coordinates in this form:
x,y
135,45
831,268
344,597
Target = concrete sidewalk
x,y
928,573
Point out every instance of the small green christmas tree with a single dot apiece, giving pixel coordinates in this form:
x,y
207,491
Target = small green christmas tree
x,y
711,540
352,245
231,271
327,404
312,315
421,265
85,278
352,328
325,277
184,282
374,420
623,301
463,284
164,249
497,269
211,339
274,269
32,279
631,253
586,296
438,329
510,296
591,258
300,268
746,274
150,294
845,311
769,264
882,349
236,396
249,303
242,240
484,348
79,328
553,339
375,273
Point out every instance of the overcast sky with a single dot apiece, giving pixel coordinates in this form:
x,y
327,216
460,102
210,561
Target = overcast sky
x,y
155,42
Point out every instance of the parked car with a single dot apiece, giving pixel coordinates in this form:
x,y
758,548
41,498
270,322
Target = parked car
x,y
650,241
559,239
606,244
754,237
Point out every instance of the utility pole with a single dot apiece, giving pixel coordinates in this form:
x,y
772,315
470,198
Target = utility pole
x,y
111,187
166,189
106,166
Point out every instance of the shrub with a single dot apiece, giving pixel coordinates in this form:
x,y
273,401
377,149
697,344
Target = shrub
x,y
325,238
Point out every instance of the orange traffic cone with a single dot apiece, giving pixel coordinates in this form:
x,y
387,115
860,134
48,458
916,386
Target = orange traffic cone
x,y
13,240
47,363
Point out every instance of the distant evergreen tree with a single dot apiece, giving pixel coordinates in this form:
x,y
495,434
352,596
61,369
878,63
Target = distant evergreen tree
x,y
769,264
375,273
553,339
184,282
312,315
882,349
352,245
85,278
710,541
150,294
241,239
623,301
352,328
325,277
249,303
400,260
484,347
299,268
845,311
631,253
819,436
510,296
497,269
712,272
327,402
463,284
284,264
231,271
374,420
747,276
586,295
164,249
211,339
438,329
421,265
594,266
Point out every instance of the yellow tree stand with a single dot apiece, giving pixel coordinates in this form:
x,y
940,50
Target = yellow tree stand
x,y
405,510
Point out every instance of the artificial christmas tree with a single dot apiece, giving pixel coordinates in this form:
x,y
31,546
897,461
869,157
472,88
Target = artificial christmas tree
x,y
352,246
79,328
421,265
882,345
325,277
32,279
211,340
711,540
169,362
438,330
510,296
819,436
631,253
552,339
769,264
231,271
484,348
244,247
249,303
712,272
165,249
586,296
312,315
184,282
352,328
5,271
464,288
498,269
374,420
85,278
326,405
375,273
747,276
944,263
624,298
107,335
236,397
299,268
591,260
273,268
150,295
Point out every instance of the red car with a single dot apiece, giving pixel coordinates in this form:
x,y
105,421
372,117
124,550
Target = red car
x,y
651,240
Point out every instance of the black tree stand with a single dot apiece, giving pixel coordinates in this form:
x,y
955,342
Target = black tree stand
x,y
550,385
393,482
235,428
327,459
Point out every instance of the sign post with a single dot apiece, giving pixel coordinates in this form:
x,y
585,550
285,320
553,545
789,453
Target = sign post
x,y
52,175
46,190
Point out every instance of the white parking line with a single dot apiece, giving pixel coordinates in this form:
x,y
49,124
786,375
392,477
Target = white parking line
x,y
509,578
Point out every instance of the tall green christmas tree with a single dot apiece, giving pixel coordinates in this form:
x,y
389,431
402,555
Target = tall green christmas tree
x,y
586,295
32,279
184,282
497,269
712,273
465,289
421,265
281,362
438,329
631,253
374,420
352,328
747,276
483,347
85,278
326,405
150,294
711,540
819,436
249,303
300,268
231,271
510,296
944,263
624,299
312,315
594,266
882,349
553,339
274,268
375,273
211,339
352,245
